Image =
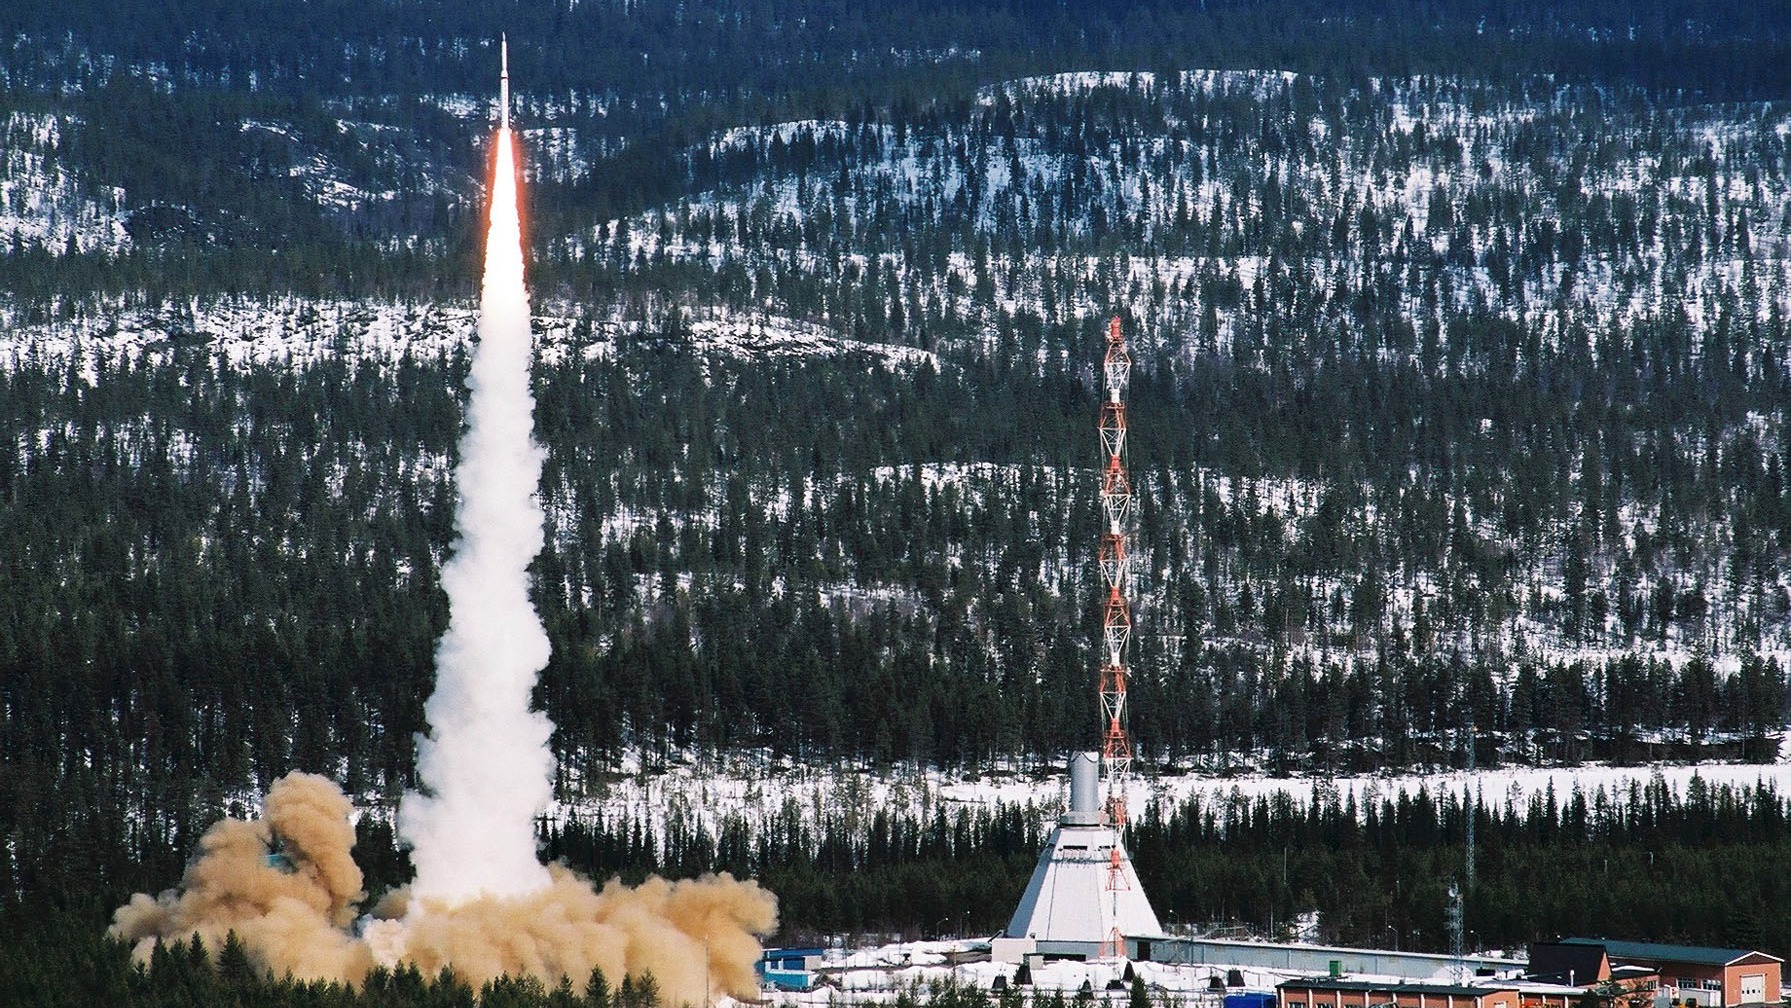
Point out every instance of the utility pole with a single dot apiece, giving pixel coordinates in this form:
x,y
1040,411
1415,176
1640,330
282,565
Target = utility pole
x,y
1471,800
1456,945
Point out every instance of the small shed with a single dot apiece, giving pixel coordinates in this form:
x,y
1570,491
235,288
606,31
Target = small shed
x,y
1250,999
790,968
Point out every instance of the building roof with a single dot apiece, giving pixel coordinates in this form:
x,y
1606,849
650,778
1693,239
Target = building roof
x,y
1392,987
1658,952
1568,960
1545,988
791,953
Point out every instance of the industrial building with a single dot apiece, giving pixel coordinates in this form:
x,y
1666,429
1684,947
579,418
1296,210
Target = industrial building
x,y
1341,992
1675,974
1306,957
790,969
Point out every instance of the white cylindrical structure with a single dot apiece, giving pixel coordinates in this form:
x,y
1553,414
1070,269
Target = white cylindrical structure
x,y
1085,790
504,82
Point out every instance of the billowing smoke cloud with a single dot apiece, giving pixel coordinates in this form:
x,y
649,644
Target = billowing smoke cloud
x,y
294,914
694,936
482,902
295,921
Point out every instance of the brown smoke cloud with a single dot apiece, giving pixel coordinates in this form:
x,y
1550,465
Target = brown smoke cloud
x,y
697,937
294,922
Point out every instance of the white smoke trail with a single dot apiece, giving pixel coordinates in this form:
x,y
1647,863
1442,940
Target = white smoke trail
x,y
486,766
481,902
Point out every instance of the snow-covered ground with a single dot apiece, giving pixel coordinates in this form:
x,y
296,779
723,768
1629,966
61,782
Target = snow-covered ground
x,y
758,789
298,331
880,974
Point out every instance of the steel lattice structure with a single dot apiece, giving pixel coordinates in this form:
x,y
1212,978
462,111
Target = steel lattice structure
x,y
1116,621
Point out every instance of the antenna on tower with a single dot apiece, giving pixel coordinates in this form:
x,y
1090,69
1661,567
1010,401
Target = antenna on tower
x,y
1116,621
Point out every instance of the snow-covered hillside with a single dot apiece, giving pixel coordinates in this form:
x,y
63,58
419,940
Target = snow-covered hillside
x,y
298,331
1452,396
1597,209
46,204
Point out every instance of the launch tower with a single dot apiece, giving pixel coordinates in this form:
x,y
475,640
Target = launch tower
x,y
1084,898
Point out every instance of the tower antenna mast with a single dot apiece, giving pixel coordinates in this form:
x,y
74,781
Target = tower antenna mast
x,y
1116,620
1084,897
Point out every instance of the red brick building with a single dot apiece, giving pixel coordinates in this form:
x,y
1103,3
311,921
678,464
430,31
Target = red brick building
x,y
1327,992
1678,974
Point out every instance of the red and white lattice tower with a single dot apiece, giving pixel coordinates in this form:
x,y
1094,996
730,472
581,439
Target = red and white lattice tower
x,y
1116,620
1084,897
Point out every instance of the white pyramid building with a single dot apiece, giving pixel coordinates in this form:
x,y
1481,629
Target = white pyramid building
x,y
1076,902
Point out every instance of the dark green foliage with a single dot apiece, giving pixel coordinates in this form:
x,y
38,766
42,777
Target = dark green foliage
x,y
193,604
211,574
637,992
597,992
1379,873
722,51
207,578
58,959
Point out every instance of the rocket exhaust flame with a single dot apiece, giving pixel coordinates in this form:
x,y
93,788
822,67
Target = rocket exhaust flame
x,y
482,902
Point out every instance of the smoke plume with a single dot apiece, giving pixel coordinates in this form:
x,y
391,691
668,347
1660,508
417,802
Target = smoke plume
x,y
297,921
695,937
486,765
481,902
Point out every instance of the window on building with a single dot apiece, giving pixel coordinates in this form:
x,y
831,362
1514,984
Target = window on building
x,y
1715,985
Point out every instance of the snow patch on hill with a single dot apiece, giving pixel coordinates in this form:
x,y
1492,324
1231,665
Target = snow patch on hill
x,y
294,330
775,337
242,330
42,202
324,181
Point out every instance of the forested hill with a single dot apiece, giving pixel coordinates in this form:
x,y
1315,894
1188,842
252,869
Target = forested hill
x,y
1460,397
699,52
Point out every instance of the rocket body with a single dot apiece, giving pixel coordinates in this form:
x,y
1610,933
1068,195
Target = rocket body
x,y
504,82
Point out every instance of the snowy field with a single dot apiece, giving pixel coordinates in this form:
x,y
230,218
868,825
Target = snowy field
x,y
759,789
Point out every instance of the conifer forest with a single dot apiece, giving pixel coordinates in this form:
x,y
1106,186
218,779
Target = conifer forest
x,y
1458,433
